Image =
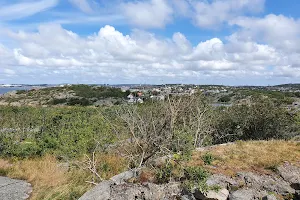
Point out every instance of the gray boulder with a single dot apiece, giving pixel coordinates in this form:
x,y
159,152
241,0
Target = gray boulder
x,y
116,188
222,194
222,181
100,192
247,194
266,182
12,189
148,191
121,178
290,174
269,197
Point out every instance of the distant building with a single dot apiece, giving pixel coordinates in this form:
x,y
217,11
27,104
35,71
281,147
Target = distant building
x,y
133,99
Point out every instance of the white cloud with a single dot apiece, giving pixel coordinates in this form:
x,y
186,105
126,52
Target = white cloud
x,y
212,14
277,30
83,5
25,9
148,13
141,56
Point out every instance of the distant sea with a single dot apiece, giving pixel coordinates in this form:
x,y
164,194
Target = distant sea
x,y
4,90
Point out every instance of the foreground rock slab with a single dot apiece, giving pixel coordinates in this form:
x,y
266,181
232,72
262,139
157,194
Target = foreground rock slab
x,y
12,189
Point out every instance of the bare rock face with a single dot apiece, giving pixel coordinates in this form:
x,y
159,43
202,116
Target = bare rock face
x,y
116,189
100,192
245,186
221,194
148,191
266,183
222,181
247,194
12,189
121,178
291,174
107,190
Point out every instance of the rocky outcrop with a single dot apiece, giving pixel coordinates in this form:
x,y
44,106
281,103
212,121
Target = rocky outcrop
x,y
221,194
108,190
12,189
291,174
244,186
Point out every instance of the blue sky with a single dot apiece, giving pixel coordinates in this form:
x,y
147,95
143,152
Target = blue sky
x,y
234,42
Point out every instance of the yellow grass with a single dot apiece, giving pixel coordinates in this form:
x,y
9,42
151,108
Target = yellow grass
x,y
259,156
52,181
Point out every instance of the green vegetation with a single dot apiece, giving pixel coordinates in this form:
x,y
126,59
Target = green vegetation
x,y
86,91
208,158
261,119
28,131
278,97
89,139
196,177
225,99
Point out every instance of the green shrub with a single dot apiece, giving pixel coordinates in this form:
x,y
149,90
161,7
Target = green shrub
x,y
71,132
225,99
164,174
208,158
58,101
79,102
196,178
261,119
21,92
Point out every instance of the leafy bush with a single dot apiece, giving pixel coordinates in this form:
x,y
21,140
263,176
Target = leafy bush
x,y
164,174
196,178
208,158
58,101
225,99
28,131
78,102
261,119
21,92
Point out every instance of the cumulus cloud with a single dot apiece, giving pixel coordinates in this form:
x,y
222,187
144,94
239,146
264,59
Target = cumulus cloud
x,y
278,30
109,55
148,13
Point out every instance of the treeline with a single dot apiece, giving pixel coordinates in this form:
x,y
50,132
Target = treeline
x,y
86,91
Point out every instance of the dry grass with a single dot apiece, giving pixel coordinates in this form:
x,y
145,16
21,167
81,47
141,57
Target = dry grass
x,y
51,180
258,156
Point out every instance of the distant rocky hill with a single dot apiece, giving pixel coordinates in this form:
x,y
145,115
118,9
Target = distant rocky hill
x,y
83,95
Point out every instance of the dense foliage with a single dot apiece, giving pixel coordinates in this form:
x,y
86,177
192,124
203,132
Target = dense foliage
x,y
87,91
176,125
28,131
260,119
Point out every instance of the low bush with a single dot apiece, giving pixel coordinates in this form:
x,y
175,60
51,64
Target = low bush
x,y
208,158
225,99
71,132
262,119
58,101
78,102
196,178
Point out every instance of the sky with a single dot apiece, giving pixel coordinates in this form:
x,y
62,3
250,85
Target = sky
x,y
231,42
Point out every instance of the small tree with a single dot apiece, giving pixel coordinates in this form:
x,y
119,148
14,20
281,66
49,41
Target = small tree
x,y
176,125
